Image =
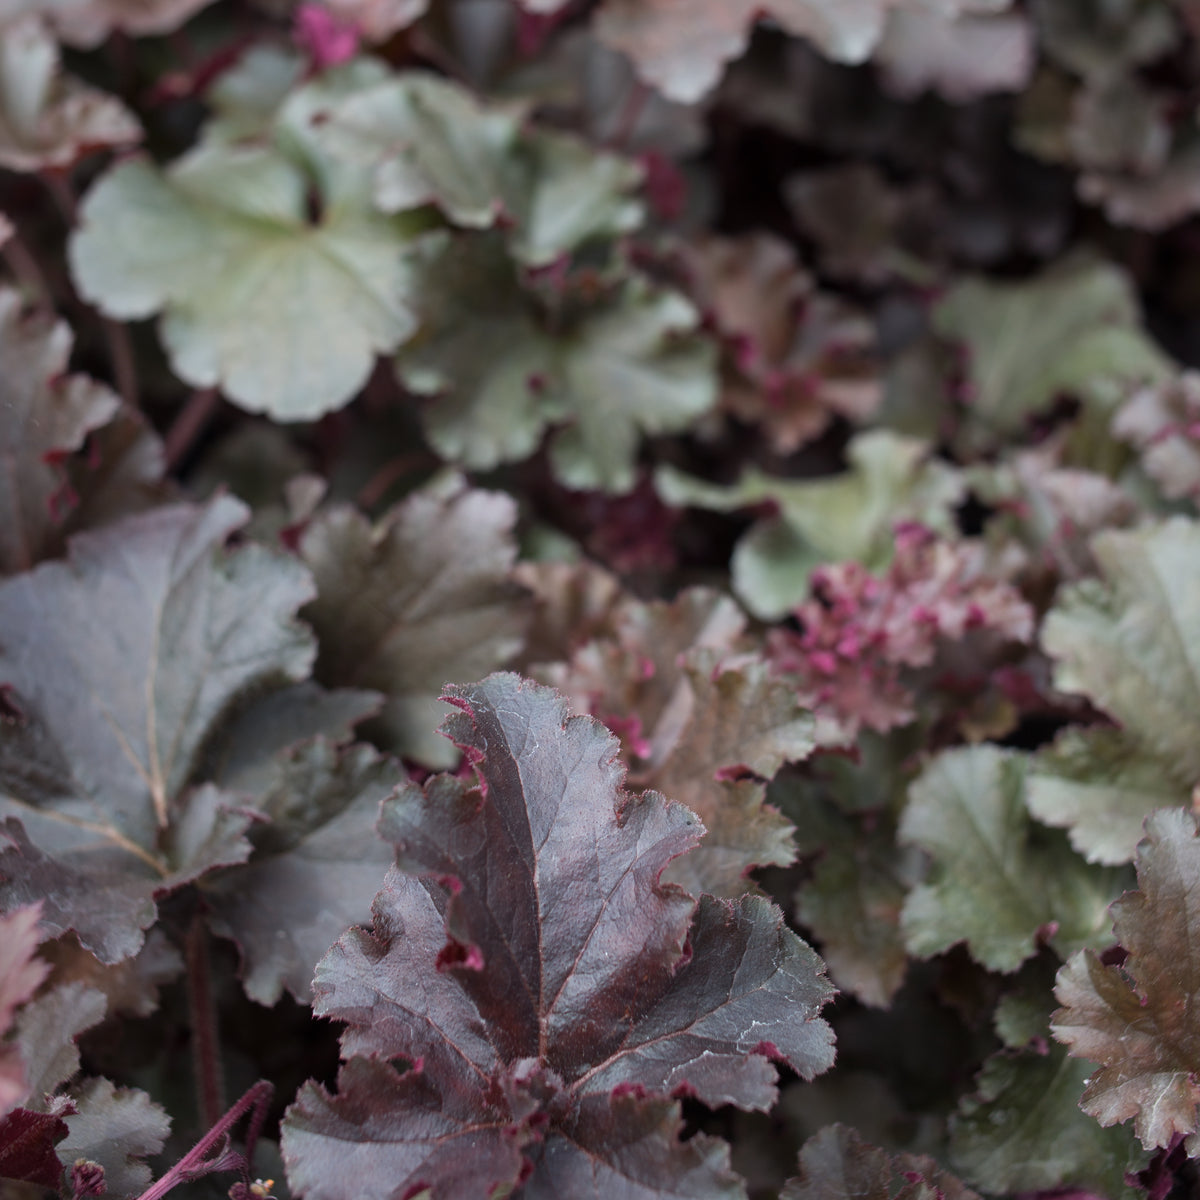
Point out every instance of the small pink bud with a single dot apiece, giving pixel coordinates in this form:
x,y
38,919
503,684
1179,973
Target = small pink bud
x,y
325,38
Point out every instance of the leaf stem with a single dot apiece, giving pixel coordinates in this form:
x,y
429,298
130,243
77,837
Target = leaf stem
x,y
189,425
391,472
56,184
27,271
197,1163
120,353
636,100
206,1052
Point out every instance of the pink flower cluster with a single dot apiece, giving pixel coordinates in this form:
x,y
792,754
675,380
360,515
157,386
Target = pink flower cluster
x,y
861,634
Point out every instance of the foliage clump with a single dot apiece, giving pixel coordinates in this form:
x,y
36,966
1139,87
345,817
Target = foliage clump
x,y
599,598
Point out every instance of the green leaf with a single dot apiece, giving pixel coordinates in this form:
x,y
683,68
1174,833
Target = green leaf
x,y
1022,1130
428,141
1130,643
1100,785
483,352
246,99
1099,43
849,516
999,882
277,278
563,193
844,817
504,366
1075,329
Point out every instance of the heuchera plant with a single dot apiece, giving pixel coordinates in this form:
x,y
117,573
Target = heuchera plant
x,y
599,598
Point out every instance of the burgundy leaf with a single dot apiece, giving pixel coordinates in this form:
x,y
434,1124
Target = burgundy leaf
x,y
552,994
27,1141
315,867
121,664
422,596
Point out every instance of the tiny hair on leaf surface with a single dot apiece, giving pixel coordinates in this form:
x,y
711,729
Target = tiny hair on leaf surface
x,y
552,996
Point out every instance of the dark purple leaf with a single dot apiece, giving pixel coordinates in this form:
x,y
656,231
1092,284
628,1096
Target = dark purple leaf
x,y
545,984
423,596
27,1141
119,665
316,864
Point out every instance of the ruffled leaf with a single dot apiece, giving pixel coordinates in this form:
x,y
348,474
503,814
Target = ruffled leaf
x,y
1129,642
277,278
849,516
48,121
505,362
1133,1021
544,983
999,883
423,597
121,664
